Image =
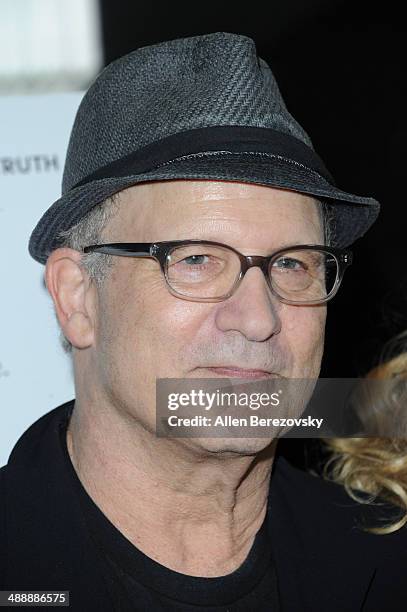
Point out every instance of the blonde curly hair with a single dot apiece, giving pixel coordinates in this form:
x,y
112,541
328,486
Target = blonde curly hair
x,y
376,466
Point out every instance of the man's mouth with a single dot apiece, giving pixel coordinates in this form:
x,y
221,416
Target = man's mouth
x,y
236,372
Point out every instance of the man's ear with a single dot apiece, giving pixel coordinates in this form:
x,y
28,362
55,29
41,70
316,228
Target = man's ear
x,y
73,295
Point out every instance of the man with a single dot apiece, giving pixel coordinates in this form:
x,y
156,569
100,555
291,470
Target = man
x,y
194,137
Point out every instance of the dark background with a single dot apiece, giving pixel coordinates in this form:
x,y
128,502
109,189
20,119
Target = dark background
x,y
341,67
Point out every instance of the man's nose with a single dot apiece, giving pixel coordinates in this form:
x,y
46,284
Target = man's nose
x,y
252,310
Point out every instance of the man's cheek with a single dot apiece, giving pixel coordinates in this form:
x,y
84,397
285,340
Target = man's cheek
x,y
306,334
303,322
315,347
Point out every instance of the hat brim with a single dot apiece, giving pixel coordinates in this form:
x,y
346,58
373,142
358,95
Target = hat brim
x,y
352,214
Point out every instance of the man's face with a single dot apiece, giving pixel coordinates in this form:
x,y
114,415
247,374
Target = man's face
x,y
143,332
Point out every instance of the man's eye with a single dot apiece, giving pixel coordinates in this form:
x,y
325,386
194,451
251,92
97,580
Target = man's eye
x,y
194,259
288,263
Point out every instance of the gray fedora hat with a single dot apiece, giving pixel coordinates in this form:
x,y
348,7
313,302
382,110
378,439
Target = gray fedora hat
x,y
202,107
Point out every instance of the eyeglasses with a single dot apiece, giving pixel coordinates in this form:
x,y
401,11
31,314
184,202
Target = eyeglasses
x,y
206,271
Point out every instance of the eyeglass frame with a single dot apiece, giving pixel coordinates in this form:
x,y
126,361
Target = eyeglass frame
x,y
160,251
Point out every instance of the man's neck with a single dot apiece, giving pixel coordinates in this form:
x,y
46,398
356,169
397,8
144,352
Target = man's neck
x,y
190,509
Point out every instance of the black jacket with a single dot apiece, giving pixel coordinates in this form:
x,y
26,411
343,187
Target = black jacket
x,y
324,561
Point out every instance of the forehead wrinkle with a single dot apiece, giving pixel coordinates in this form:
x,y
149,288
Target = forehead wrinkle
x,y
208,213
217,220
243,240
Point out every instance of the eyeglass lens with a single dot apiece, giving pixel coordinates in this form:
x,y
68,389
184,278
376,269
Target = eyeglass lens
x,y
209,271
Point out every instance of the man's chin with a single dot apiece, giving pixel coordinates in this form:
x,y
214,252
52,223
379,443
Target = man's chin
x,y
230,446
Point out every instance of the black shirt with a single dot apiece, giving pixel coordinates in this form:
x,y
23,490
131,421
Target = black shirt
x,y
138,582
323,560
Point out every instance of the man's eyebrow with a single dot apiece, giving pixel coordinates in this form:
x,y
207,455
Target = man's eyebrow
x,y
210,234
270,249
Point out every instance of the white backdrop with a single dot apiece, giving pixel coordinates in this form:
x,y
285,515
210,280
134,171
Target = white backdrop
x,y
35,373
